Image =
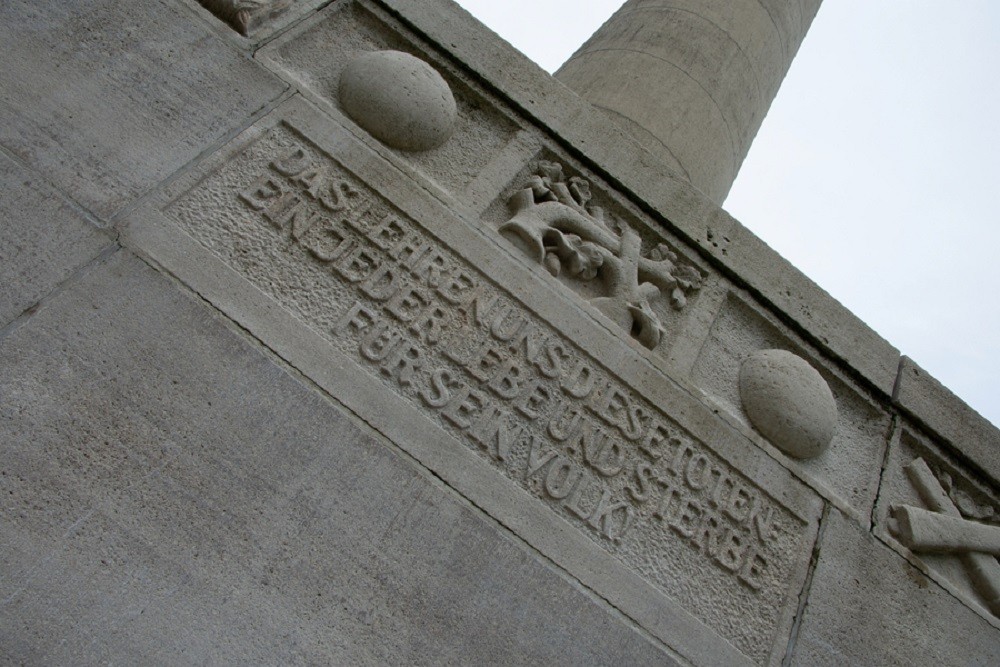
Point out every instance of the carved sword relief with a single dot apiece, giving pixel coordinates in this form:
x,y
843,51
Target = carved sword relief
x,y
943,529
555,223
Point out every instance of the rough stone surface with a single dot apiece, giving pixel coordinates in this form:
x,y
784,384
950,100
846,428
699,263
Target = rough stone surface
x,y
399,98
249,23
42,240
868,606
847,473
825,321
107,98
789,402
170,495
935,406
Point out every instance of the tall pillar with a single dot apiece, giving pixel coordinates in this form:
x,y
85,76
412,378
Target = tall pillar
x,y
692,79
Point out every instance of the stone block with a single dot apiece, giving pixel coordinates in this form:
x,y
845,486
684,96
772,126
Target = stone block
x,y
848,472
323,409
43,239
497,382
108,98
169,493
868,606
932,404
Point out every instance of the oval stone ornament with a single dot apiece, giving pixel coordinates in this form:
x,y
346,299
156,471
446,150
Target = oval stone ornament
x,y
788,402
401,100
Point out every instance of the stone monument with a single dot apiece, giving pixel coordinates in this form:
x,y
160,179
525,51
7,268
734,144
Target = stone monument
x,y
340,333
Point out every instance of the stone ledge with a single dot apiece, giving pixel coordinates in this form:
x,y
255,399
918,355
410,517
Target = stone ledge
x,y
690,213
933,405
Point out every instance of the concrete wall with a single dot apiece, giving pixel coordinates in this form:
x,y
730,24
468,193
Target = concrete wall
x,y
278,390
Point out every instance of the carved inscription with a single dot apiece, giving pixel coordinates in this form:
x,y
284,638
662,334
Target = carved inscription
x,y
447,339
589,430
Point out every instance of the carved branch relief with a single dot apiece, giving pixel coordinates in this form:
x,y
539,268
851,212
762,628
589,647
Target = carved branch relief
x,y
555,223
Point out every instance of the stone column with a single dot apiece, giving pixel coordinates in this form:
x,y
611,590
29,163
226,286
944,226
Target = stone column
x,y
692,79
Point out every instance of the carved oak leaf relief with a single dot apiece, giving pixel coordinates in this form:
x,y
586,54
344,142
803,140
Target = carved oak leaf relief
x,y
245,15
554,222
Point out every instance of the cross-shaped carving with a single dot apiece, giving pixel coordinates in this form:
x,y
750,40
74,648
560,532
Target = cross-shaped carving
x,y
933,532
942,529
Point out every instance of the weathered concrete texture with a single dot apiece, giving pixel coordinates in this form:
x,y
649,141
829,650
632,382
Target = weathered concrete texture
x,y
848,471
408,444
246,16
314,54
171,495
868,606
697,76
42,240
107,98
937,408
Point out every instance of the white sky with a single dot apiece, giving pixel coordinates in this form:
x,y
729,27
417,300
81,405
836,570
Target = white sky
x,y
876,170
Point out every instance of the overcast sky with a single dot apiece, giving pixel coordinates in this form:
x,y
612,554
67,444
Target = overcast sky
x,y
876,170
